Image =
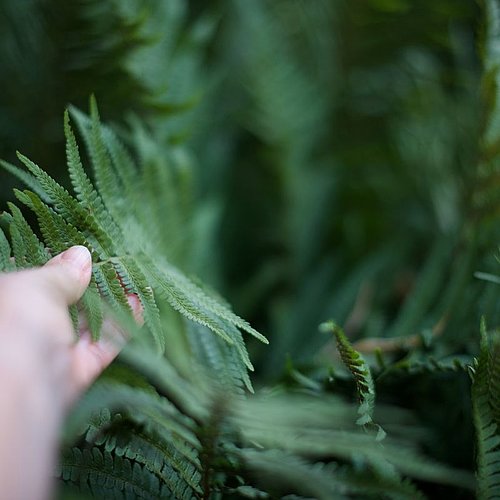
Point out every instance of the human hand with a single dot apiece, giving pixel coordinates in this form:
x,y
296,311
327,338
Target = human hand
x,y
43,368
36,333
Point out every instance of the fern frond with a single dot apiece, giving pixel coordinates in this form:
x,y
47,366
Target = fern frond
x,y
6,264
103,171
183,303
144,407
211,304
63,201
74,314
71,210
18,246
149,444
327,481
216,355
162,459
57,233
103,474
485,397
361,373
134,281
100,158
82,185
431,364
27,179
92,305
34,252
282,471
110,287
193,302
118,243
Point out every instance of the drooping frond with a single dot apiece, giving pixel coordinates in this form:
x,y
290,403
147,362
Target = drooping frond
x,y
185,295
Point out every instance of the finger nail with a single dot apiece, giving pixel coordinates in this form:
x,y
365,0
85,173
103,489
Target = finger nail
x,y
78,256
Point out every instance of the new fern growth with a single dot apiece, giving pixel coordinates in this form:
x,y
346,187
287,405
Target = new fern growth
x,y
365,388
98,217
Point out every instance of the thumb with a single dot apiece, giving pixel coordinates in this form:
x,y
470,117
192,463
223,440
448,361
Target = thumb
x,y
68,274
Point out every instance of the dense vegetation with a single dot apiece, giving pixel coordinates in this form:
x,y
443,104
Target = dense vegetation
x,y
330,169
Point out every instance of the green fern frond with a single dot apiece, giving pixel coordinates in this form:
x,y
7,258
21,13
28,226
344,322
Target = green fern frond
x,y
27,179
121,251
92,305
134,281
123,165
281,471
361,373
145,408
6,264
104,475
219,358
35,253
485,397
63,201
326,481
82,185
162,459
74,315
57,233
103,172
185,296
71,211
149,444
430,364
18,246
110,288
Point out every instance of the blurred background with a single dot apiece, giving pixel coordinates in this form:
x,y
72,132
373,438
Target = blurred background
x,y
333,157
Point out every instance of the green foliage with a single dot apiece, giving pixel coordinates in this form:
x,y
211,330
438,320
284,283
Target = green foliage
x,y
361,373
310,160
88,219
195,438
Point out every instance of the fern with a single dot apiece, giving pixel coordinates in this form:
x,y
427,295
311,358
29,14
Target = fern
x,y
295,228
26,178
93,308
5,251
192,437
359,369
89,219
27,246
105,475
485,398
156,447
325,481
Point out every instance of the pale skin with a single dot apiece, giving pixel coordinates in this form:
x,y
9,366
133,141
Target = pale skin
x,y
43,369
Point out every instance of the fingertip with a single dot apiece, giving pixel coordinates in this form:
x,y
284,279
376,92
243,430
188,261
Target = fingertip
x,y
79,257
137,309
71,271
